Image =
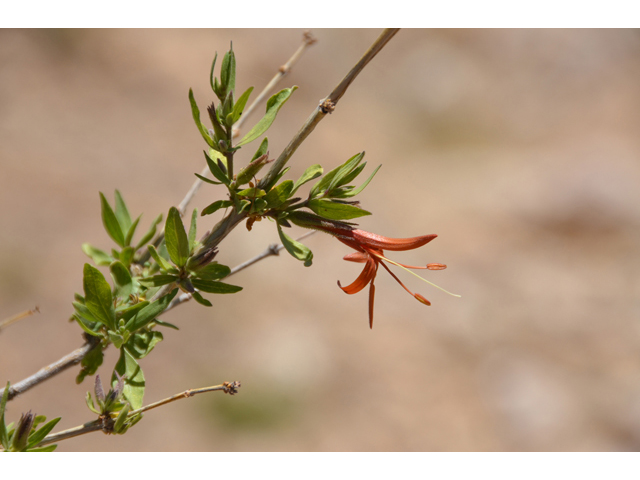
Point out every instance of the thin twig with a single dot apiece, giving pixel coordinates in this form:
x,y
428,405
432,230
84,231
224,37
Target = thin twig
x,y
55,368
307,40
5,323
95,425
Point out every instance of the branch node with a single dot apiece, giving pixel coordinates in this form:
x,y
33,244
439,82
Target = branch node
x,y
231,387
327,106
274,249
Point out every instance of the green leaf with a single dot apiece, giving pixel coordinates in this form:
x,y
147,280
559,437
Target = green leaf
x,y
176,238
164,265
39,435
192,231
228,72
215,206
276,179
126,256
165,324
314,171
213,271
207,180
211,76
116,339
4,438
201,300
336,211
90,363
132,230
110,222
120,419
196,118
214,287
356,191
122,213
296,249
129,311
91,405
122,279
97,294
242,206
158,280
273,106
84,312
141,344
85,326
238,108
134,382
342,176
262,149
48,448
98,256
151,311
279,194
150,233
215,169
253,192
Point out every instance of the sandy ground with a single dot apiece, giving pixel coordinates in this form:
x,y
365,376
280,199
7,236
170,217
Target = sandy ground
x,y
519,148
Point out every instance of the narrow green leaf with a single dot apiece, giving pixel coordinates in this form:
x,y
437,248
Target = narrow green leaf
x,y
91,405
211,76
296,249
48,448
192,231
253,192
215,206
126,256
165,324
110,222
279,194
84,312
344,170
122,213
242,206
122,279
151,311
85,326
132,230
90,364
134,382
273,106
214,287
196,118
128,312
176,238
215,169
39,435
351,176
262,149
267,187
238,108
356,191
201,300
150,233
207,180
4,438
98,256
158,280
164,265
336,211
314,171
116,339
120,419
213,271
97,294
228,72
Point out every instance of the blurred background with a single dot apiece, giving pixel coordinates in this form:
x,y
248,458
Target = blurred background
x,y
519,148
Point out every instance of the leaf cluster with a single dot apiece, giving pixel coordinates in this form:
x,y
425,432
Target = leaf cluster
x,y
25,435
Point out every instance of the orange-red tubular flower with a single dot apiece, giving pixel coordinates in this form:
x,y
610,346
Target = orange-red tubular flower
x,y
370,251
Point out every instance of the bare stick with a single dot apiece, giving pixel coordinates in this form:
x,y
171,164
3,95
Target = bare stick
x,y
55,368
307,40
328,104
5,323
95,425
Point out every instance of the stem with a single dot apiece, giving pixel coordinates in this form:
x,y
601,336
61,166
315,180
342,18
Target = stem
x,y
5,323
55,368
307,41
328,104
95,425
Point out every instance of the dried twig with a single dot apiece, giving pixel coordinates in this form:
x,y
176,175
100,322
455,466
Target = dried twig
x,y
95,425
5,323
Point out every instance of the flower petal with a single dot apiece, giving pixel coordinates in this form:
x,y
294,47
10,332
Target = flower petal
x,y
368,274
385,243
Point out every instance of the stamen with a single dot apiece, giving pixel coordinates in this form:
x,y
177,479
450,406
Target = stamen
x,y
412,273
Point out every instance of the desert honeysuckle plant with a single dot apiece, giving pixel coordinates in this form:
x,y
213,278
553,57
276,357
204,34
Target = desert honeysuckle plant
x,y
168,264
